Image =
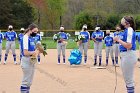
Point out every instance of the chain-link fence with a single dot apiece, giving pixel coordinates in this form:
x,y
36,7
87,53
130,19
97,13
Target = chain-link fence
x,y
47,38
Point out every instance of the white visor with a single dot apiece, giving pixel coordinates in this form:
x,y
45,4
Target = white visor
x,y
10,26
22,29
61,28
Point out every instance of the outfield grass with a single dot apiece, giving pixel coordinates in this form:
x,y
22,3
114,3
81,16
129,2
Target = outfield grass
x,y
52,45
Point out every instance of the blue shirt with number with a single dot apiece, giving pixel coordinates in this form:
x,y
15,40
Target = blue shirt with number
x,y
87,36
10,35
27,43
108,41
128,36
97,34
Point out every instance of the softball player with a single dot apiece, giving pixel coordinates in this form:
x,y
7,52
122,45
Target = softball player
x,y
28,50
20,36
128,51
61,46
38,39
109,47
1,38
116,44
97,37
10,43
84,44
138,37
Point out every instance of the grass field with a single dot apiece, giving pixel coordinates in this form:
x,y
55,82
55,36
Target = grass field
x,y
52,45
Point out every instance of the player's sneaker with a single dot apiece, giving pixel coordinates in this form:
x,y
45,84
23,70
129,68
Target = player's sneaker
x,y
64,63
58,63
4,62
84,63
99,64
117,65
15,62
39,63
95,64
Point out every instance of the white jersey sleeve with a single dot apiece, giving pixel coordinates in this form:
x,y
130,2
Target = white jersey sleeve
x,y
129,35
25,42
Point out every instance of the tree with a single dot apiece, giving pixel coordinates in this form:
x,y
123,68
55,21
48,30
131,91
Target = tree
x,y
23,13
5,13
83,18
55,9
15,12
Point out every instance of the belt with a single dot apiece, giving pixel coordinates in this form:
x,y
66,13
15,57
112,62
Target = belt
x,y
125,50
10,40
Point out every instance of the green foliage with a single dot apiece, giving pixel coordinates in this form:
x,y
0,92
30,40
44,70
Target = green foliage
x,y
137,21
83,18
112,21
15,12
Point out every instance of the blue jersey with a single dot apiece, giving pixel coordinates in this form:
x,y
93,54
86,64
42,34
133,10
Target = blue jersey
x,y
108,41
37,38
118,34
98,34
27,43
87,36
63,35
130,37
20,36
1,37
138,36
10,35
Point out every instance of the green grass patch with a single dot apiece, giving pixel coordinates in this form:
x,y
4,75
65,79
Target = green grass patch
x,y
52,45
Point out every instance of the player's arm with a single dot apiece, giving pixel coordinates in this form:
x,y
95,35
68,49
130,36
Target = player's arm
x,y
93,37
88,39
2,36
101,37
127,44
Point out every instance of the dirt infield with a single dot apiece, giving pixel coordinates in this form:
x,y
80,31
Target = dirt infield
x,y
52,78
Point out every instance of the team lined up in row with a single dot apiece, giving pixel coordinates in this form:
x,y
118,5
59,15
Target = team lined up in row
x,y
112,47
97,36
10,37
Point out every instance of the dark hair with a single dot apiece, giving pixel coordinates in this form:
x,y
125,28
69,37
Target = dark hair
x,y
130,20
31,27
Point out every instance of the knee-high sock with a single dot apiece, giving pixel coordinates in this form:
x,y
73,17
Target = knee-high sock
x,y
85,59
0,57
107,60
6,55
20,56
100,59
116,60
38,58
14,55
130,89
63,59
112,60
24,89
95,59
58,59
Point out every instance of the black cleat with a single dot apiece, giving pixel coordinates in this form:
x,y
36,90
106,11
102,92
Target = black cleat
x,y
95,64
99,64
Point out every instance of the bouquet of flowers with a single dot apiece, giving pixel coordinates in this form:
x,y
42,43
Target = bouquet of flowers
x,y
68,35
79,38
56,37
41,50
